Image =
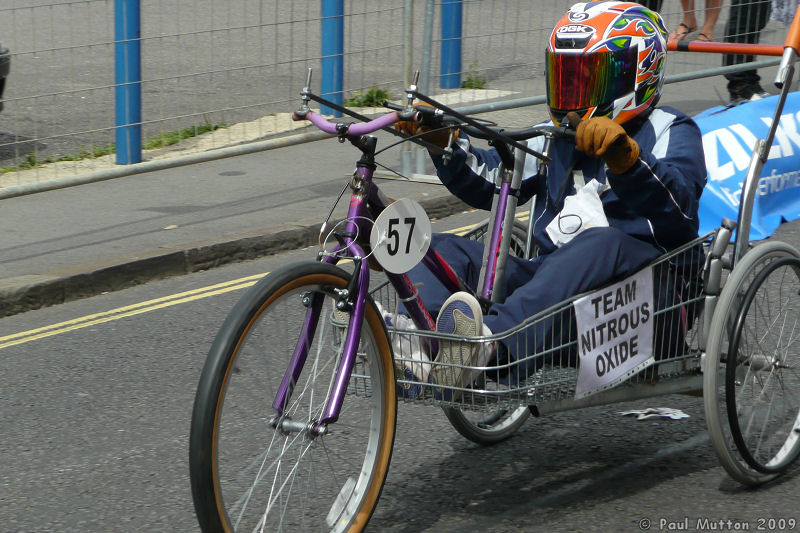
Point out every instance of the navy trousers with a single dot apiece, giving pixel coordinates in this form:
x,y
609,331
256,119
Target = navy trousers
x,y
592,259
747,19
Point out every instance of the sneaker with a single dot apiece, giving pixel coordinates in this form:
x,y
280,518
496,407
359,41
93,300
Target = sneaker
x,y
460,315
411,362
746,93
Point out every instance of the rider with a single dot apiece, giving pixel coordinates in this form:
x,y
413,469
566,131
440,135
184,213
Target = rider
x,y
639,169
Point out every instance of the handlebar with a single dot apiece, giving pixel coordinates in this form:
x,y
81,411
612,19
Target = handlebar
x,y
522,134
436,116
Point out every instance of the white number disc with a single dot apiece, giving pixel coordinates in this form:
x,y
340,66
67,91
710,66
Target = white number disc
x,y
401,236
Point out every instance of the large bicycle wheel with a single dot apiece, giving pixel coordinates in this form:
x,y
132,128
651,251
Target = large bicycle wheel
x,y
249,476
751,378
491,427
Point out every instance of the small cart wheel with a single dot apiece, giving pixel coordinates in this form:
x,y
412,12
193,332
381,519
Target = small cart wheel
x,y
752,366
487,428
481,427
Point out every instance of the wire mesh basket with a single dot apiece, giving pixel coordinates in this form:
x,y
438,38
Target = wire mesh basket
x,y
537,361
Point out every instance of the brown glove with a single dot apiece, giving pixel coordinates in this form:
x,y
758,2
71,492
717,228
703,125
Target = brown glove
x,y
602,137
437,138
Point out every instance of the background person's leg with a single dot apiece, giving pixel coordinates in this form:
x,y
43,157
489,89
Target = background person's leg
x,y
746,20
713,9
688,23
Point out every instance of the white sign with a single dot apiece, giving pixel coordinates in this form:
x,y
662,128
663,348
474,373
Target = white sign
x,y
401,236
615,333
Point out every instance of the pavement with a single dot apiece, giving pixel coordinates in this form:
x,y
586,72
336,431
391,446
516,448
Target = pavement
x,y
80,241
74,242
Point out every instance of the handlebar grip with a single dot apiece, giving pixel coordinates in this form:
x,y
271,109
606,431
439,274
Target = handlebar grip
x,y
347,128
567,134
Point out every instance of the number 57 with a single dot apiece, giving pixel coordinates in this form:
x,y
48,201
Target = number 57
x,y
394,234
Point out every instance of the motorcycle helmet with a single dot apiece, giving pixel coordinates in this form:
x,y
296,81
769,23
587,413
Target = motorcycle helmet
x,y
605,59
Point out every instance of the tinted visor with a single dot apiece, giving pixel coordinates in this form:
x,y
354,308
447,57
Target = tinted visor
x,y
580,81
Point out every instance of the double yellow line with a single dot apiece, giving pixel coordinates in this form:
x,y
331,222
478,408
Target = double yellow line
x,y
128,310
147,306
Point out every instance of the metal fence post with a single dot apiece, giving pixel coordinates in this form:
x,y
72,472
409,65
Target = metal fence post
x,y
405,150
451,44
332,39
128,81
421,154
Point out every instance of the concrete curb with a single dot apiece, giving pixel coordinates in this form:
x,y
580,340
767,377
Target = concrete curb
x,y
18,295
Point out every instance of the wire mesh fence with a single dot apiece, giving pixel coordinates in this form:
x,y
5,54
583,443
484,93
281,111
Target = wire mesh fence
x,y
216,74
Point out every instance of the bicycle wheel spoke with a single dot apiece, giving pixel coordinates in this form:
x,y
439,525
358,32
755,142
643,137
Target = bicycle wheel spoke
x,y
263,472
289,479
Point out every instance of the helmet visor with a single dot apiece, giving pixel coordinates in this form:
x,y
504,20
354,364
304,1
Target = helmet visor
x,y
581,81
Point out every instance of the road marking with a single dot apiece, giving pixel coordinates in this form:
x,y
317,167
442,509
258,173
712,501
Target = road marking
x,y
150,305
128,310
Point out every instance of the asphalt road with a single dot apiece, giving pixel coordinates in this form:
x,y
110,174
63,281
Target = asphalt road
x,y
96,396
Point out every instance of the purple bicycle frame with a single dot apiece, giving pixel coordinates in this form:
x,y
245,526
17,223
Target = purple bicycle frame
x,y
360,216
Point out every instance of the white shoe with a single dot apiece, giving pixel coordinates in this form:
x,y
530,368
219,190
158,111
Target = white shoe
x,y
412,364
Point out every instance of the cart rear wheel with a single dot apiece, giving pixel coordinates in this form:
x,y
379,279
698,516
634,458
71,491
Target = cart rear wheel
x,y
762,373
751,373
491,427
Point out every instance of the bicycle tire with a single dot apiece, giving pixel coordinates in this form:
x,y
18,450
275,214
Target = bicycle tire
x,y
761,368
235,480
722,326
479,426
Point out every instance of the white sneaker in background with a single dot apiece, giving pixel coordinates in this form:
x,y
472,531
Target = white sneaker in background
x,y
412,364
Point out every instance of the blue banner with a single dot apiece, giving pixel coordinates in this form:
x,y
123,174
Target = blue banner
x,y
729,134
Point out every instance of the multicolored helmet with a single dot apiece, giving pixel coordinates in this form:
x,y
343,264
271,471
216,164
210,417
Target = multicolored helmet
x,y
606,59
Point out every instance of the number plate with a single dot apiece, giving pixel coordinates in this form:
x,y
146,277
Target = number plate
x,y
401,236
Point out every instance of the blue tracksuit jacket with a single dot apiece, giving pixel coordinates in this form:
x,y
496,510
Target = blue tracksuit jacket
x,y
655,201
651,208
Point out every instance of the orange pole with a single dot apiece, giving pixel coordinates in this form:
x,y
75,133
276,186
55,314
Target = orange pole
x,y
732,48
793,37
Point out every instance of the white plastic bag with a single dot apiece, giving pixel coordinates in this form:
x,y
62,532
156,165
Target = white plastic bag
x,y
581,211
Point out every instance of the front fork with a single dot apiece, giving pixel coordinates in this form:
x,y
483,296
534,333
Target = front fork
x,y
353,298
350,299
